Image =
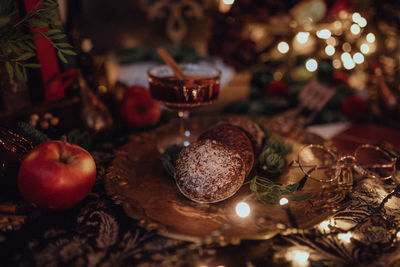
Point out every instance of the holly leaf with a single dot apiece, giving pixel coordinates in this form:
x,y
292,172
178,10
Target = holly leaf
x,y
58,36
169,158
52,31
38,23
32,65
4,20
301,198
25,56
64,45
10,70
18,73
68,52
289,189
61,57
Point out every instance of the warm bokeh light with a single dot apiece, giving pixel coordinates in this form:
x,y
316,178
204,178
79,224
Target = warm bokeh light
x,y
283,201
225,5
338,25
242,209
362,22
358,58
298,257
336,63
346,237
325,225
355,29
283,47
302,37
348,62
343,14
364,48
331,41
346,47
370,37
356,17
324,34
311,65
329,50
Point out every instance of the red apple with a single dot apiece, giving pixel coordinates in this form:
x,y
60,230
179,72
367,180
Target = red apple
x,y
138,108
53,177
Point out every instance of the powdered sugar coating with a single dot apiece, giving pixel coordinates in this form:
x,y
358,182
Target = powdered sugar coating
x,y
208,171
234,138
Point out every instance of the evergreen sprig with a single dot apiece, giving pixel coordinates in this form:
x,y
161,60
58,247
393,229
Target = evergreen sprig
x,y
34,134
17,41
169,158
272,157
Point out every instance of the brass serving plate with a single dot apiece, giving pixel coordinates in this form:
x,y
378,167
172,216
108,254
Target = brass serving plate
x,y
138,181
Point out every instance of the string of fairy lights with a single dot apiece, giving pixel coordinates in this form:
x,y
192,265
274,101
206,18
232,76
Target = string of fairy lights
x,y
346,41
300,257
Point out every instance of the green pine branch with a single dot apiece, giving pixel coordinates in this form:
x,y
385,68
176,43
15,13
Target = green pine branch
x,y
17,41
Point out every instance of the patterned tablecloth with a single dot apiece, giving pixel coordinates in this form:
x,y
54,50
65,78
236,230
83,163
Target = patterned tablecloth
x,y
98,233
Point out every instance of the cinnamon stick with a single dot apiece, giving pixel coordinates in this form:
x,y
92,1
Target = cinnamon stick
x,y
171,63
8,208
15,218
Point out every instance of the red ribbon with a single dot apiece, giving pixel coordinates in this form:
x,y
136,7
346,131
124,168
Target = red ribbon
x,y
46,55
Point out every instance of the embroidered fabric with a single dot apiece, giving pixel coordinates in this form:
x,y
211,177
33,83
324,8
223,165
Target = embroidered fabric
x,y
99,233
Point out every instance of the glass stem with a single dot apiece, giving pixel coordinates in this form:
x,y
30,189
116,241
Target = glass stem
x,y
183,128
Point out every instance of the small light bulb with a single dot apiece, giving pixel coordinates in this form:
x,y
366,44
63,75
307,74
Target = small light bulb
x,y
324,34
283,201
283,47
358,58
370,37
229,2
302,37
242,209
186,143
355,29
329,50
325,225
364,48
346,237
311,65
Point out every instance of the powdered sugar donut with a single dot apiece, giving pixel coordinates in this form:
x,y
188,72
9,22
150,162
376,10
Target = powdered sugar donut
x,y
208,171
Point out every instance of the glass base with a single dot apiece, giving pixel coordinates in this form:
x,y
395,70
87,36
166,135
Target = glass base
x,y
180,138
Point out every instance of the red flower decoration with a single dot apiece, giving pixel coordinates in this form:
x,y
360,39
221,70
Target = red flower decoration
x,y
339,76
340,5
276,89
377,64
354,108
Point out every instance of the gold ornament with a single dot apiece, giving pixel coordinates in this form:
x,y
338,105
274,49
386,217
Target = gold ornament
x,y
96,115
175,12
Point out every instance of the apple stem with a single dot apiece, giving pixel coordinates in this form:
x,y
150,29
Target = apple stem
x,y
64,141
